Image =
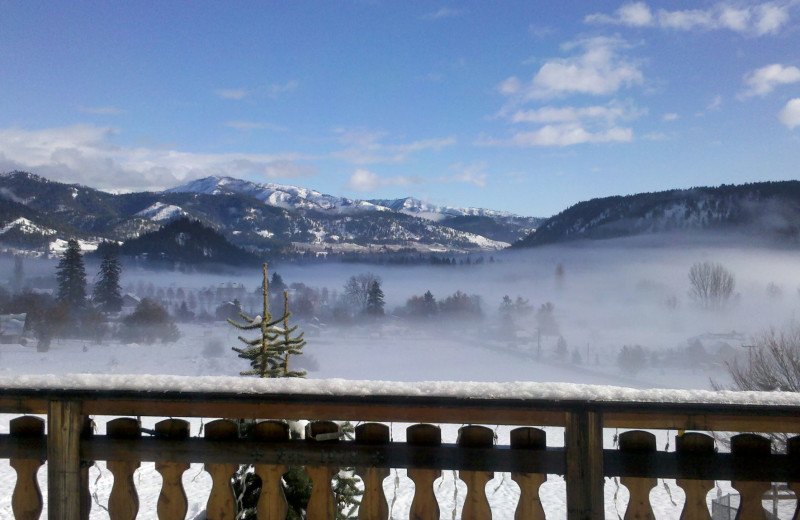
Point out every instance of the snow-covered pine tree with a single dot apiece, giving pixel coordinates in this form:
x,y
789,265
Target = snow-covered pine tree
x,y
107,291
269,355
263,353
287,345
71,276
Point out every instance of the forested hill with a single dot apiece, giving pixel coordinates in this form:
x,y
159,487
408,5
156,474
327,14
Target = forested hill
x,y
770,209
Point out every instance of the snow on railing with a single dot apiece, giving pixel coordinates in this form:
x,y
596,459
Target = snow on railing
x,y
64,440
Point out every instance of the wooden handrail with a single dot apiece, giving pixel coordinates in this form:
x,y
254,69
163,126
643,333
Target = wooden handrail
x,y
583,460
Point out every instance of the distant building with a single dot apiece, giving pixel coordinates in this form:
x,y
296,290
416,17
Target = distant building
x,y
12,327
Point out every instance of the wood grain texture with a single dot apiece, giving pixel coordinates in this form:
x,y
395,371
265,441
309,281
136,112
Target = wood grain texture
x,y
26,499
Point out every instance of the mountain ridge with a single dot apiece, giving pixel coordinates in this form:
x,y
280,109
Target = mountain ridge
x,y
770,209
258,217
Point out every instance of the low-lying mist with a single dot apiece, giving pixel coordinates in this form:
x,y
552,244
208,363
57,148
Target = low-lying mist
x,y
612,312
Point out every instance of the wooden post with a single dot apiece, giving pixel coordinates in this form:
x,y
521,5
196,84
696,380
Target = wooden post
x,y
26,500
64,483
322,504
373,503
476,506
639,507
272,503
530,505
221,504
123,502
424,505
793,450
752,446
695,506
583,440
172,503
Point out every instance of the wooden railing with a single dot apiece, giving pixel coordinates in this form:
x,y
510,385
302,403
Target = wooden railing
x,y
64,440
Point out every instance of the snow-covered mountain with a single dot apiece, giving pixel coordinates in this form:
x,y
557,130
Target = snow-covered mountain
x,y
426,210
278,195
258,217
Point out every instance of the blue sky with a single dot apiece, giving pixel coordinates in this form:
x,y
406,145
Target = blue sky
x,y
528,107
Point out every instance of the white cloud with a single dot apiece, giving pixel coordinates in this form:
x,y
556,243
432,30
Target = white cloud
x,y
561,135
670,117
365,181
365,147
637,14
86,154
762,81
606,113
790,114
598,70
276,89
232,93
472,173
715,104
444,12
246,126
770,18
760,19
104,110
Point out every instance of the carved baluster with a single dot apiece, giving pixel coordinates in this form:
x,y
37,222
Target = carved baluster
x,y
476,506
221,503
793,450
373,503
123,503
26,500
172,503
424,505
751,492
272,501
529,506
693,445
86,495
322,504
639,505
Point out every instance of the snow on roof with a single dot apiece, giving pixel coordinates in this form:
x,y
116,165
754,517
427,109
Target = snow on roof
x,y
219,385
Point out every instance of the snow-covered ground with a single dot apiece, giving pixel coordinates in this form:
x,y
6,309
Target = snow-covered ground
x,y
385,353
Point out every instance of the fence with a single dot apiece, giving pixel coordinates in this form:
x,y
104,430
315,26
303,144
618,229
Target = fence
x,y
583,411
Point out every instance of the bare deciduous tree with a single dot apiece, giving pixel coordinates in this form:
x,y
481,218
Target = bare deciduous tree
x,y
356,289
773,363
711,284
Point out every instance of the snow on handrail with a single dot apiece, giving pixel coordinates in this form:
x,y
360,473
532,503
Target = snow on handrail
x,y
227,386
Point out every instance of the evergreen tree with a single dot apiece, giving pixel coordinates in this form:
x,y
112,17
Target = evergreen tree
x,y
345,484
269,355
375,302
107,291
18,279
71,276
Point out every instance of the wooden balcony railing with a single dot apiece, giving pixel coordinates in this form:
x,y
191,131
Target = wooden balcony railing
x,y
63,440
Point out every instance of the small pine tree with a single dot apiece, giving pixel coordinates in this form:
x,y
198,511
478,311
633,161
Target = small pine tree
x,y
107,291
269,355
375,302
71,276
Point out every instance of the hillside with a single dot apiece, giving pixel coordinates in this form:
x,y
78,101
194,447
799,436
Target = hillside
x,y
769,209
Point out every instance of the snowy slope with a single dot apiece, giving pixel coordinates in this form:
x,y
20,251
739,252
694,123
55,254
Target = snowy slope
x,y
278,195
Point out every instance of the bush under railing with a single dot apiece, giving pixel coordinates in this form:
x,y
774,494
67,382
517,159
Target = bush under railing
x,y
66,443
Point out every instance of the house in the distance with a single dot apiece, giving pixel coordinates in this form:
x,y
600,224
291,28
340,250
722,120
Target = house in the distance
x,y
11,328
